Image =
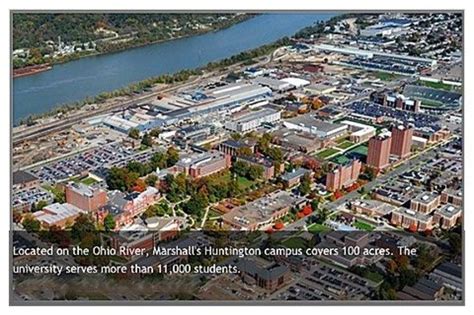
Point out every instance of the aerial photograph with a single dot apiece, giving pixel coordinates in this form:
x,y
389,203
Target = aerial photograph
x,y
233,157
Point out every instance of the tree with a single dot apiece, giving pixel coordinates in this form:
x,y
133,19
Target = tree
x,y
38,206
276,154
134,133
322,215
305,185
244,151
236,136
155,132
172,156
455,242
31,224
196,204
147,140
139,186
254,172
121,179
138,167
239,168
151,180
109,222
83,228
158,160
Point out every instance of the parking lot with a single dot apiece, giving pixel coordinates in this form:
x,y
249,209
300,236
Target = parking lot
x,y
101,157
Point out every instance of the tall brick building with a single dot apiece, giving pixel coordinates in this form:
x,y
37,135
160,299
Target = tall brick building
x,y
84,197
401,141
379,151
343,176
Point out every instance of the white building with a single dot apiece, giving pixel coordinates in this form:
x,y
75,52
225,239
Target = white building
x,y
253,120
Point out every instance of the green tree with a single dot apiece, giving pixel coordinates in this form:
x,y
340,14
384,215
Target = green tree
x,y
158,160
196,204
155,132
172,156
254,172
147,140
31,224
121,179
240,168
305,185
82,227
109,222
151,180
134,133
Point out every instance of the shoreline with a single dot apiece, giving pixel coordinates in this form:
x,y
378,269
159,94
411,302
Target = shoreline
x,y
73,57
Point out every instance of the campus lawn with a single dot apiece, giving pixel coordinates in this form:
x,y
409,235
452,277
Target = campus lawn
x,y
317,228
374,276
326,153
364,226
294,242
88,181
243,182
344,145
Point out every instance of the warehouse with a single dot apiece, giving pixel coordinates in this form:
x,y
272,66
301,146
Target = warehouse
x,y
273,84
317,127
253,120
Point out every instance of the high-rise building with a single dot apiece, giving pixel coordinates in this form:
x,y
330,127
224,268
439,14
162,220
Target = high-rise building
x,y
401,141
343,176
379,151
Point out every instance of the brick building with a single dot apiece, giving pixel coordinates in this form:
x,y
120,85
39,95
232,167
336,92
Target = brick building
x,y
378,155
343,176
401,141
84,197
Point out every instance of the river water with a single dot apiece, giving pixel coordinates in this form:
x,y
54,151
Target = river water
x,y
75,80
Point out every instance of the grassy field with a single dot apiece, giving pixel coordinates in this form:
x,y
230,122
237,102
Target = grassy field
x,y
294,242
374,276
364,226
243,182
88,181
318,228
344,145
436,85
385,76
326,153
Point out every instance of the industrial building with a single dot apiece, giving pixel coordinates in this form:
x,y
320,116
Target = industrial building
x,y
317,127
253,120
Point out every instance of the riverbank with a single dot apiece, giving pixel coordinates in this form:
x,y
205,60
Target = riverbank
x,y
31,70
136,43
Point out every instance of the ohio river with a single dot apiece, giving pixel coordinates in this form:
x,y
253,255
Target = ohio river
x,y
75,80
